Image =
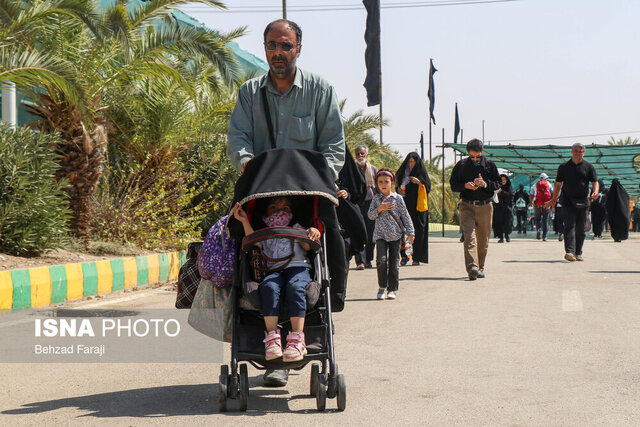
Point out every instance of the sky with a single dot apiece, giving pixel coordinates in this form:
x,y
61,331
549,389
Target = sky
x,y
529,69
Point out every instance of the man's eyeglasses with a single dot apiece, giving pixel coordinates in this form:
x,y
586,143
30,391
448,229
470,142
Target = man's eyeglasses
x,y
475,157
285,46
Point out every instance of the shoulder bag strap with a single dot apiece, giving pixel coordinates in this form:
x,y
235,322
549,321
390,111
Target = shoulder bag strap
x,y
395,218
265,107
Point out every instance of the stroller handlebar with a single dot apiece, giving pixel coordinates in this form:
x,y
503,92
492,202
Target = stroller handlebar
x,y
279,233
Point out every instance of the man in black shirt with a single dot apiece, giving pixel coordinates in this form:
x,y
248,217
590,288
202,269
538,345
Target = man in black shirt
x,y
476,178
573,178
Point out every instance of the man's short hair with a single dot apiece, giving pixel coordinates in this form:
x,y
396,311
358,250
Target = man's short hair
x,y
474,145
295,27
577,144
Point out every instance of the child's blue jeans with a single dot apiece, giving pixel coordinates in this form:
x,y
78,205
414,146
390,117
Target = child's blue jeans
x,y
289,284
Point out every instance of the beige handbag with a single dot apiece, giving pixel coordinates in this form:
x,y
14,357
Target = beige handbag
x,y
212,311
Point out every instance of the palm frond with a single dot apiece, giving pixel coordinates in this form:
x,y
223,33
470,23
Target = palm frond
x,y
32,68
192,42
150,11
80,11
9,10
118,24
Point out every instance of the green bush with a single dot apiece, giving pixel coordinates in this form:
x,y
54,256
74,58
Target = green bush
x,y
212,178
148,208
33,207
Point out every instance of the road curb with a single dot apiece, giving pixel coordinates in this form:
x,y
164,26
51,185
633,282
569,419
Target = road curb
x,y
55,284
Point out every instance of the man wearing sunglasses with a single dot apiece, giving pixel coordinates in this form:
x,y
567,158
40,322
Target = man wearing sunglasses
x,y
475,178
287,107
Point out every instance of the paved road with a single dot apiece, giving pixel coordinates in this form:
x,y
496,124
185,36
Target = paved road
x,y
540,341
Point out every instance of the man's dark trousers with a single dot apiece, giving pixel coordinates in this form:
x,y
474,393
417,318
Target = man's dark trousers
x,y
365,256
574,223
521,215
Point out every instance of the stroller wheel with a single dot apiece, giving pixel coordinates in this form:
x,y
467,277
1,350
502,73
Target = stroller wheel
x,y
341,393
244,387
223,381
321,393
315,370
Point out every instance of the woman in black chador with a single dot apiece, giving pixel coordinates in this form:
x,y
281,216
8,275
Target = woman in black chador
x,y
503,211
618,211
411,174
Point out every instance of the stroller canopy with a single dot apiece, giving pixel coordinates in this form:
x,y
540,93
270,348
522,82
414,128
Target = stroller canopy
x,y
291,173
285,172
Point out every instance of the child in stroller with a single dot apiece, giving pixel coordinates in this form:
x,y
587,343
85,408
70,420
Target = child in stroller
x,y
303,178
289,273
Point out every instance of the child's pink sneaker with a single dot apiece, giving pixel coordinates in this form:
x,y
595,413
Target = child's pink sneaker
x,y
296,348
272,345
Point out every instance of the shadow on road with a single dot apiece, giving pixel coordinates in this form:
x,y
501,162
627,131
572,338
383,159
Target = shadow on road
x,y
610,271
171,401
537,261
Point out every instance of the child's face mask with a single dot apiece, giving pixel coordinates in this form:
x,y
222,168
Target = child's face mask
x,y
278,219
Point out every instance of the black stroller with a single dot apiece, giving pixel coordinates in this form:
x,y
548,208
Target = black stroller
x,y
302,176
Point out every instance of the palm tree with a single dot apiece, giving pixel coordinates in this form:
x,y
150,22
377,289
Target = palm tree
x,y
100,54
434,169
357,131
627,141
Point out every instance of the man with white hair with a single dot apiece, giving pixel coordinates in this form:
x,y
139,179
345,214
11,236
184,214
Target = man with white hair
x,y
540,194
368,171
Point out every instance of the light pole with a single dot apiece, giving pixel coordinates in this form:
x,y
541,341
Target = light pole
x,y
483,132
9,110
284,9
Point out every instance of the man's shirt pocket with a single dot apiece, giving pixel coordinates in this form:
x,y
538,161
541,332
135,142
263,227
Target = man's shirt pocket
x,y
302,129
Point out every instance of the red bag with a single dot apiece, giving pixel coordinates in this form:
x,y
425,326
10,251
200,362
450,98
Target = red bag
x,y
543,192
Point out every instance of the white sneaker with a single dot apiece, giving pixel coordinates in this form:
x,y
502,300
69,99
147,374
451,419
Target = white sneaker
x,y
578,257
391,295
381,293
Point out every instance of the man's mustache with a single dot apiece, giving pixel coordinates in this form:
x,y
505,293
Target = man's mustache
x,y
279,58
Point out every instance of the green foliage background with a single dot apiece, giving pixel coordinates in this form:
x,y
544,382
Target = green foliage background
x,y
33,206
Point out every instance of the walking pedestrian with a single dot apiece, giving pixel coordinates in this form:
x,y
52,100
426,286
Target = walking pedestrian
x,y
411,175
503,210
392,221
573,178
635,217
558,220
598,210
521,202
618,211
539,195
289,107
368,171
475,178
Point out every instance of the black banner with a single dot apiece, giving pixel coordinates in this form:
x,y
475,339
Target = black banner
x,y
372,54
456,127
432,91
